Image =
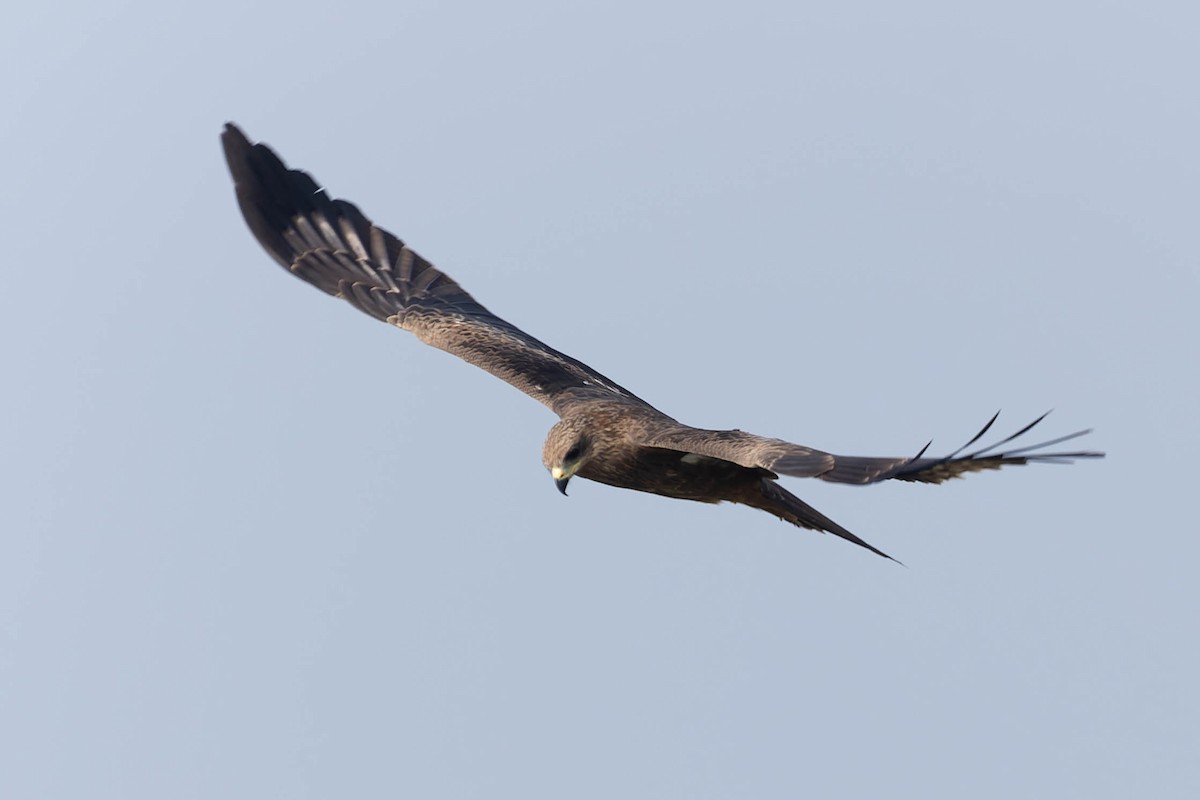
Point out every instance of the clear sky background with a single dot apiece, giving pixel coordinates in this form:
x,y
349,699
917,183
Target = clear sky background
x,y
257,545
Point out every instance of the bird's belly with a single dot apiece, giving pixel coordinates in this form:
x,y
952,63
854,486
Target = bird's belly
x,y
673,476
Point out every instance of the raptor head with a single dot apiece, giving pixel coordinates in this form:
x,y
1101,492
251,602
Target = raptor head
x,y
568,447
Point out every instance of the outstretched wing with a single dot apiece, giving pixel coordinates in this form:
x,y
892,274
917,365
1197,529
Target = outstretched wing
x,y
332,245
798,461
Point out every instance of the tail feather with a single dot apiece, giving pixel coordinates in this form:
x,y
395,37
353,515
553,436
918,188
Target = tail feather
x,y
769,496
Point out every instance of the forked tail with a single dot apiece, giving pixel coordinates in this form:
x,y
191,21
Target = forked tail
x,y
769,496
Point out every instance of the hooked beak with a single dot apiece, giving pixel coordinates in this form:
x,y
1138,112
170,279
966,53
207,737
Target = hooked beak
x,y
561,478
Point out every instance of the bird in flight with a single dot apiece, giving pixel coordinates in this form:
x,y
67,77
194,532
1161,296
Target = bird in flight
x,y
605,432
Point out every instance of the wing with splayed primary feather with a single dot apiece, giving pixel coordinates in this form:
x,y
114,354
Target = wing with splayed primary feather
x,y
332,245
798,461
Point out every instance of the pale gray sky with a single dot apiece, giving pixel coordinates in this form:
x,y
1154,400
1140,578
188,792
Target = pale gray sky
x,y
257,545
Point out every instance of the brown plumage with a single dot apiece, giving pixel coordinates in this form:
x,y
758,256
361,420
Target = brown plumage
x,y
606,433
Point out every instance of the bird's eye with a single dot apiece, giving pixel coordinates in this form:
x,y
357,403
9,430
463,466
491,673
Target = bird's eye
x,y
572,454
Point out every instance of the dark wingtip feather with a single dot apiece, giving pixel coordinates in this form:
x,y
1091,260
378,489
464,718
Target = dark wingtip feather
x,y
1008,439
978,436
936,470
